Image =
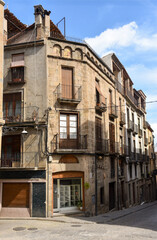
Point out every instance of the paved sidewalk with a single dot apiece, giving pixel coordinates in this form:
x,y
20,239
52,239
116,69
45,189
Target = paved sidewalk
x,y
103,218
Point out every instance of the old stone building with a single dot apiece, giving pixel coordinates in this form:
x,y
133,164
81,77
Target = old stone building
x,y
1,65
136,185
65,139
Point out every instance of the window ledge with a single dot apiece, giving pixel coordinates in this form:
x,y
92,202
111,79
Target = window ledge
x,y
16,83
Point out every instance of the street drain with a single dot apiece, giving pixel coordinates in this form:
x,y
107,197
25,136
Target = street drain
x,y
75,225
19,228
32,229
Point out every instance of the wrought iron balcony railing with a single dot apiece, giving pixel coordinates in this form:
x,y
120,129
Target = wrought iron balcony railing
x,y
129,95
114,147
139,132
69,93
21,160
113,110
130,125
72,144
21,114
119,87
122,118
102,146
135,129
145,141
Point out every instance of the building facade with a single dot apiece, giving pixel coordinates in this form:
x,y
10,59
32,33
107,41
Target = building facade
x,y
65,139
1,65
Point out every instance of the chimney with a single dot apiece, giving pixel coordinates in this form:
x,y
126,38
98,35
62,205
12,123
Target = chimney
x,y
42,22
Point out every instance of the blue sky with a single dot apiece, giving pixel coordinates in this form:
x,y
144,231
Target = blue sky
x,y
126,27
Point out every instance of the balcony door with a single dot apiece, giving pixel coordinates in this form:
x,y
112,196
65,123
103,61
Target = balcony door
x,y
68,131
67,83
11,150
12,107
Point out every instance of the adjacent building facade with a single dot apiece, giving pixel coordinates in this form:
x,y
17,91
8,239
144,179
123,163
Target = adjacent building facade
x,y
1,66
71,129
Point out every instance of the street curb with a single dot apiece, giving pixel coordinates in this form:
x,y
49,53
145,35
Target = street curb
x,y
85,220
138,210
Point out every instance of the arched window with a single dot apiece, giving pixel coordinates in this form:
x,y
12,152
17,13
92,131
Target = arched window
x,y
67,52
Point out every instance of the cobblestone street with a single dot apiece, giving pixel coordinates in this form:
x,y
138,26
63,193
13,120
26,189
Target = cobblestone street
x,y
134,223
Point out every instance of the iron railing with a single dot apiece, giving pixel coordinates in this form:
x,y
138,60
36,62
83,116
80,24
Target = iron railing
x,y
79,143
113,110
21,114
122,117
119,87
114,147
135,130
129,94
21,160
130,125
69,92
102,146
145,141
139,132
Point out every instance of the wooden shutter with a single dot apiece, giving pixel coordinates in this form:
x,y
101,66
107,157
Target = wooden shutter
x,y
15,195
67,83
17,60
112,137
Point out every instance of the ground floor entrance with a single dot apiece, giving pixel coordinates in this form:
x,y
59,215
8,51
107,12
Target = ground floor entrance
x,y
15,195
67,191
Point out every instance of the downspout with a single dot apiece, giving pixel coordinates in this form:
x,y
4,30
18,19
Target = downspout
x,y
117,150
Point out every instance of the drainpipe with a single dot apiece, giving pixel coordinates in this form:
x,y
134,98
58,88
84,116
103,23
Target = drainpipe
x,y
47,162
96,184
117,149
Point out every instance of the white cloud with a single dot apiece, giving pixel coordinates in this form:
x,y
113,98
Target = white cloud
x,y
125,36
154,127
142,74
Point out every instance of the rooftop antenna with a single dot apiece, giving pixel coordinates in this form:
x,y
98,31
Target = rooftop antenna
x,y
63,19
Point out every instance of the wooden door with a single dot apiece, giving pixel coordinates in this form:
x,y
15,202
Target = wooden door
x,y
15,195
67,83
112,137
111,195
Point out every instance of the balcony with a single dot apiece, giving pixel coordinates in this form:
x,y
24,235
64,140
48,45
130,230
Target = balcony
x,y
130,125
136,102
102,146
21,114
122,118
139,132
21,160
101,107
113,111
139,157
123,150
114,148
119,87
144,124
69,145
112,173
135,130
146,141
69,94
129,95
